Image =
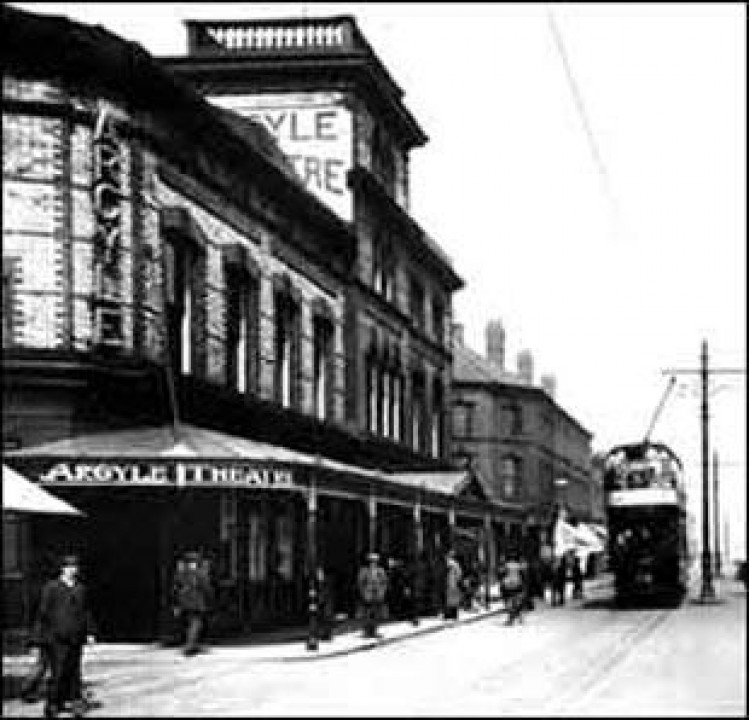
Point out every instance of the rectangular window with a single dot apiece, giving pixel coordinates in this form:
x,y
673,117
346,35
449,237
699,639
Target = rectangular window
x,y
179,271
417,303
287,339
322,370
438,321
372,396
187,315
240,338
437,432
386,409
397,406
418,413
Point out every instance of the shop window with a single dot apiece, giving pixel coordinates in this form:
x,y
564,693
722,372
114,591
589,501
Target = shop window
x,y
12,545
285,547
228,536
257,539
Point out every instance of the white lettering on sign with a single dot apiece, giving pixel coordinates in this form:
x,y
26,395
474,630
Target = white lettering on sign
x,y
314,131
181,474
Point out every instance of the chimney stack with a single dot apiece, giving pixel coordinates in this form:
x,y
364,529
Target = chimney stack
x,y
549,384
525,366
495,343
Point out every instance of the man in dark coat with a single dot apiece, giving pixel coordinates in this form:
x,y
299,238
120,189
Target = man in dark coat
x,y
193,596
66,624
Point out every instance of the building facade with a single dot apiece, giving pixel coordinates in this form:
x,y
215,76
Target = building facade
x,y
533,455
202,351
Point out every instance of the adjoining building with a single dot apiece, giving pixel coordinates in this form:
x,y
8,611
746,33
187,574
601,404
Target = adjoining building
x,y
535,456
198,352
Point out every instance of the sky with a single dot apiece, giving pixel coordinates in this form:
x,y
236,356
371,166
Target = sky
x,y
586,173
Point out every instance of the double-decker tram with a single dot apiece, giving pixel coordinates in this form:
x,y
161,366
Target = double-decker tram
x,y
646,513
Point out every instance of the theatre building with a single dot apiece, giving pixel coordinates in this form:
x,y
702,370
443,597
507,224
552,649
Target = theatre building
x,y
200,351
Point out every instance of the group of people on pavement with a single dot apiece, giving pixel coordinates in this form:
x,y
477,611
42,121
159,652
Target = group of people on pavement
x,y
412,590
64,623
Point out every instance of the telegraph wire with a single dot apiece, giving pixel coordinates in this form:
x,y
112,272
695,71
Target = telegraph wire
x,y
577,98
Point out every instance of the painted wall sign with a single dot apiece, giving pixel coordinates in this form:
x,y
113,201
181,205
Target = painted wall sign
x,y
314,130
180,474
107,194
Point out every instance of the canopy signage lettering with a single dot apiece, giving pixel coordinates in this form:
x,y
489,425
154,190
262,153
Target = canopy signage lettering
x,y
179,474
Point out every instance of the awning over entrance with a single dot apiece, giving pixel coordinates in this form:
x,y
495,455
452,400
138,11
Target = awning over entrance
x,y
22,496
192,455
447,482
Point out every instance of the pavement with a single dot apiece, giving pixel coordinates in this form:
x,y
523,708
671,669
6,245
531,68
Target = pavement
x,y
283,645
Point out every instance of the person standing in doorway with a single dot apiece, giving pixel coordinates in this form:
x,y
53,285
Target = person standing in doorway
x,y
453,575
373,585
66,624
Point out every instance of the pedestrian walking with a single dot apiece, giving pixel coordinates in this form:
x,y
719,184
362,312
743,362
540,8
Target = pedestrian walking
x,y
560,581
65,625
193,599
514,585
453,575
577,578
372,583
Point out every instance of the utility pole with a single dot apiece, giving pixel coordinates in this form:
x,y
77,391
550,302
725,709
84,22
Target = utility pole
x,y
707,591
716,515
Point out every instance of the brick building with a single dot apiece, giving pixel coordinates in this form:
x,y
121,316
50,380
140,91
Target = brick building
x,y
208,342
531,452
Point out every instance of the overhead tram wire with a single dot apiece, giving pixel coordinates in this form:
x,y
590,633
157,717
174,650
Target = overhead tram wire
x,y
577,98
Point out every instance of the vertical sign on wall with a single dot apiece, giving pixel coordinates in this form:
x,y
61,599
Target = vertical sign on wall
x,y
315,132
107,194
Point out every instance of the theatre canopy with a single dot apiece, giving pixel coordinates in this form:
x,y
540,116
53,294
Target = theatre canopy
x,y
23,496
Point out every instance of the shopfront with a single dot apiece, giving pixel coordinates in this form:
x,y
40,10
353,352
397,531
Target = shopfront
x,y
260,514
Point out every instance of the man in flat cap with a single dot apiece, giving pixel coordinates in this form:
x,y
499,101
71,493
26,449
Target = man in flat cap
x,y
66,625
373,584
